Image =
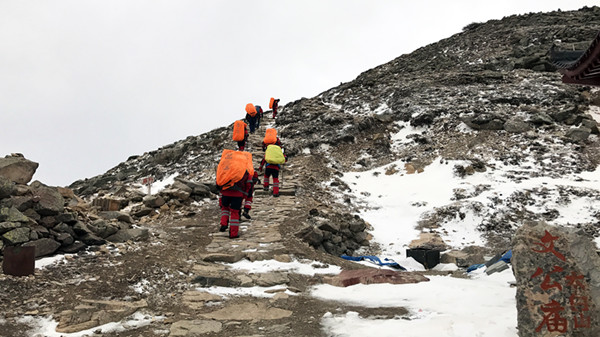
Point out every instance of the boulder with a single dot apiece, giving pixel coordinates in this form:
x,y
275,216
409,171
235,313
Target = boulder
x,y
114,215
370,276
12,214
17,169
578,134
48,201
7,187
17,235
74,247
8,226
516,125
558,281
43,247
153,201
103,228
65,239
430,241
124,235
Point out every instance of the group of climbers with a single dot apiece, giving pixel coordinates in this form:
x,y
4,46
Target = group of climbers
x,y
236,176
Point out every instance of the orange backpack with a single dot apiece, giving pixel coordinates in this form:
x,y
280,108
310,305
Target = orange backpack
x,y
270,136
239,133
271,102
232,168
251,109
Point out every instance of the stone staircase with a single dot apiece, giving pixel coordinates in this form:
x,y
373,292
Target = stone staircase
x,y
260,239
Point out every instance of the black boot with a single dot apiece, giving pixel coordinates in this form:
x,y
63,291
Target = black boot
x,y
246,214
223,228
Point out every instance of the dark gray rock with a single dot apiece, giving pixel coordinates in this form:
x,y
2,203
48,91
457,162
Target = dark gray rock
x,y
91,239
48,201
67,217
103,228
115,215
578,134
312,235
7,187
153,201
541,118
74,247
133,234
329,227
64,239
43,247
517,125
139,212
64,228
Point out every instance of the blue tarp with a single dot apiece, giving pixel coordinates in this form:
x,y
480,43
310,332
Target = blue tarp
x,y
374,259
506,258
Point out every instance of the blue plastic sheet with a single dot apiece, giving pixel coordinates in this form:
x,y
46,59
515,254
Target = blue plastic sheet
x,y
374,259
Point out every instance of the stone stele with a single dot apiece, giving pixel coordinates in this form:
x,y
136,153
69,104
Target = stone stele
x,y
558,281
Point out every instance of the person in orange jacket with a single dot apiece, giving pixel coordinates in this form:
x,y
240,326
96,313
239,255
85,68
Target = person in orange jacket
x,y
250,196
231,204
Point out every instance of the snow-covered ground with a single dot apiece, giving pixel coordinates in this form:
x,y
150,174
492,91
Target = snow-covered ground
x,y
482,306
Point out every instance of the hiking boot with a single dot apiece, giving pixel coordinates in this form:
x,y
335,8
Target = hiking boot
x,y
276,195
223,228
265,188
234,237
246,215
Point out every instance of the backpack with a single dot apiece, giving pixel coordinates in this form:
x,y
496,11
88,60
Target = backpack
x,y
250,109
274,155
270,136
232,168
258,109
239,133
271,102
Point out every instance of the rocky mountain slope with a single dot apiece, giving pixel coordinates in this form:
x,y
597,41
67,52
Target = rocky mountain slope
x,y
487,97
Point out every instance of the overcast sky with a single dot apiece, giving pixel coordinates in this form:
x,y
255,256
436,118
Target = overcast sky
x,y
86,84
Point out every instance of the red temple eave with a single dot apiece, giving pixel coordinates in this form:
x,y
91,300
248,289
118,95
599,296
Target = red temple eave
x,y
586,69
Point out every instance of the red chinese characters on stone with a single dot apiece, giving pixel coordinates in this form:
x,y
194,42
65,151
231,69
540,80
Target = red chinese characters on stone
x,y
546,284
553,321
575,281
578,303
547,244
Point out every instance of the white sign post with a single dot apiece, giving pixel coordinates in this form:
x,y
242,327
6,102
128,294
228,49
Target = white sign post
x,y
148,182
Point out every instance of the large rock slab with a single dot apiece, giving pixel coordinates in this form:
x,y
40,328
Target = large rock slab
x,y
248,312
196,327
92,313
558,281
17,169
370,276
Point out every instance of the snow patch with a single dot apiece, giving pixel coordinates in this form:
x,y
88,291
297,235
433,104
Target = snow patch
x,y
46,326
304,267
445,306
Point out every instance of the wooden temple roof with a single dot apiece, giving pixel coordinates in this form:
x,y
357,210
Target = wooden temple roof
x,y
579,66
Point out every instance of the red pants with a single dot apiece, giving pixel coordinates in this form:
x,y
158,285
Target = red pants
x,y
275,173
230,214
248,203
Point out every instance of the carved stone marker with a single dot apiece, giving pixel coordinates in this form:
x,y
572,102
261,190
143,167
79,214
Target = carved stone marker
x,y
558,281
